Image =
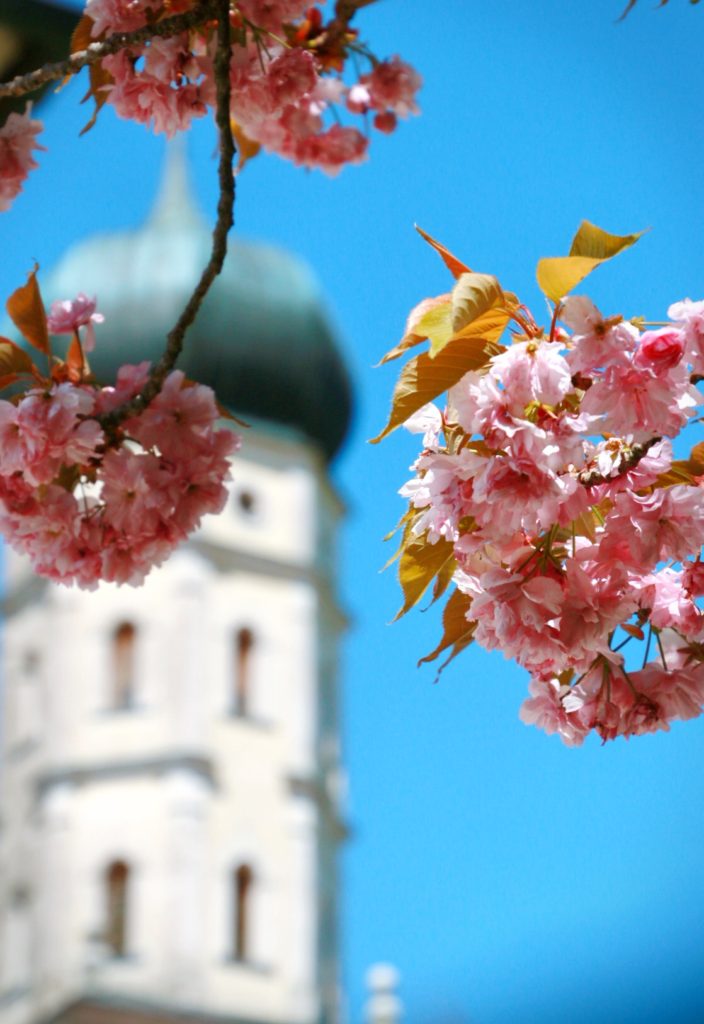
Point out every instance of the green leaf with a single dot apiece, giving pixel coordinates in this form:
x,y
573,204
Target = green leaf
x,y
423,378
591,246
455,266
419,564
473,295
458,630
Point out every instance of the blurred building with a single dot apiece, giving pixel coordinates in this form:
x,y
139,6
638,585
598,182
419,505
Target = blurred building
x,y
171,779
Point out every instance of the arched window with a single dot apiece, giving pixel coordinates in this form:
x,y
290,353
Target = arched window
x,y
116,885
242,682
243,886
123,666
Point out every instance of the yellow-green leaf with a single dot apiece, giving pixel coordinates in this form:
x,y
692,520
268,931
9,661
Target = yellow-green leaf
x,y
436,326
13,359
443,579
596,243
413,334
424,378
455,266
489,327
419,564
591,246
458,631
27,311
473,295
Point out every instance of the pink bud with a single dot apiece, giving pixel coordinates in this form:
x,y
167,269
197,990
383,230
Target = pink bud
x,y
385,122
660,350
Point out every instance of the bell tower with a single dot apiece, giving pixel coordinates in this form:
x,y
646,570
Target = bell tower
x,y
171,779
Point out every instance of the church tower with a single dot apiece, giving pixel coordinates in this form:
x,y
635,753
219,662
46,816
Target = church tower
x,y
171,778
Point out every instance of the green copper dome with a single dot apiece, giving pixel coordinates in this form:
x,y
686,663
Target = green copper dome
x,y
261,340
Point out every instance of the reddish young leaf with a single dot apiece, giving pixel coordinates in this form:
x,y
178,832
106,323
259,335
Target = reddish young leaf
x,y
455,266
14,360
27,311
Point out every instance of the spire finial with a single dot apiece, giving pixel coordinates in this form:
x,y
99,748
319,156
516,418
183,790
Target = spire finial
x,y
175,202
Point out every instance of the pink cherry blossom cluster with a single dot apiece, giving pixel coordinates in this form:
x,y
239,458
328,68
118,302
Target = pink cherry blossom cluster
x,y
87,506
283,79
573,530
18,139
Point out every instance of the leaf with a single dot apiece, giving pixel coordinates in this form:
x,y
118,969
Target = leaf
x,y
14,360
100,82
246,148
27,311
680,472
436,326
594,242
82,35
410,513
489,327
635,631
98,76
696,459
443,580
584,525
473,295
458,631
591,246
75,360
455,266
419,565
423,378
413,333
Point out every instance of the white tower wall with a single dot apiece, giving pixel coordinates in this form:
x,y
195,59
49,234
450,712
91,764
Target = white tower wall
x,y
181,786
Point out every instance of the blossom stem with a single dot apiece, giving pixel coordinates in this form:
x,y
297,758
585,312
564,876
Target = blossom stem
x,y
225,220
662,653
168,27
647,647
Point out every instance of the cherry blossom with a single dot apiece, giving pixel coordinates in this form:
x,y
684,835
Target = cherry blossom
x,y
18,139
574,531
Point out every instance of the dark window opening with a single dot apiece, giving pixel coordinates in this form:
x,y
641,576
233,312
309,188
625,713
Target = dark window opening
x,y
243,884
244,655
123,666
117,881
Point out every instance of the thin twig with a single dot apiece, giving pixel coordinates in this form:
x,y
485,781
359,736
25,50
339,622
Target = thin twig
x,y
23,84
225,220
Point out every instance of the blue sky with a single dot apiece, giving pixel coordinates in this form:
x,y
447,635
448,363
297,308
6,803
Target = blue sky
x,y
509,878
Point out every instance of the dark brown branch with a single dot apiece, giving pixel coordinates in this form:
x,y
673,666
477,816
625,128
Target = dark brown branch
x,y
225,220
592,477
24,84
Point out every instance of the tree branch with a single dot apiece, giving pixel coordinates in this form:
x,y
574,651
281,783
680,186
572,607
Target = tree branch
x,y
592,477
225,220
24,84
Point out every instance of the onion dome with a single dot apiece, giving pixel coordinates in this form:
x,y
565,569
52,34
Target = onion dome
x,y
261,340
